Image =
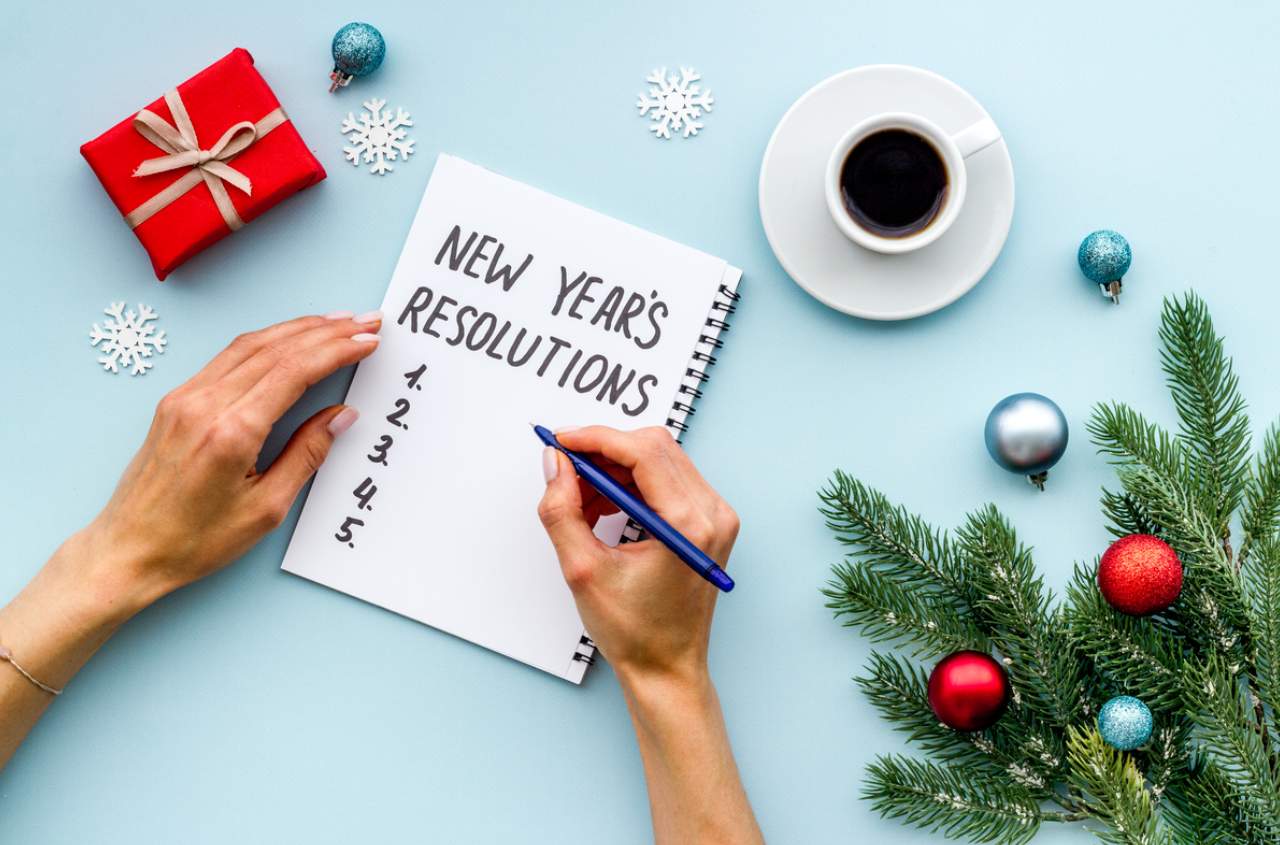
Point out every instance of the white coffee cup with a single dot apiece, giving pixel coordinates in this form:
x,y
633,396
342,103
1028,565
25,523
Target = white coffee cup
x,y
953,149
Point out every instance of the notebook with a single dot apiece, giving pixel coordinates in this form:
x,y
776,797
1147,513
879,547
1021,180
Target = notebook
x,y
507,305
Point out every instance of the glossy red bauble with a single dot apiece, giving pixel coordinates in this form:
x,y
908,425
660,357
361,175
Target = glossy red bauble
x,y
968,690
1140,575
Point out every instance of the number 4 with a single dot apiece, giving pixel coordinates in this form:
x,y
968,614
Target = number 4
x,y
364,493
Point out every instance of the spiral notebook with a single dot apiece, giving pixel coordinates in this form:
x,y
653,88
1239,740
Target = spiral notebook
x,y
507,305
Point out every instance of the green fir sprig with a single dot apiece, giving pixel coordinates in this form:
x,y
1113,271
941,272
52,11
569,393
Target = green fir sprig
x,y
1209,667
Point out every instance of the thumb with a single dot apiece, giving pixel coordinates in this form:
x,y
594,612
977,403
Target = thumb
x,y
304,453
561,513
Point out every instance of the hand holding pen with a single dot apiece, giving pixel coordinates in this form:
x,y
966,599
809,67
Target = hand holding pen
x,y
641,603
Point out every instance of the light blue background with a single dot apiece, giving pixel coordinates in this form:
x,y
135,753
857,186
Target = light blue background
x,y
257,707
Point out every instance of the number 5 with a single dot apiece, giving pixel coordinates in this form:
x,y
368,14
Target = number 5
x,y
344,532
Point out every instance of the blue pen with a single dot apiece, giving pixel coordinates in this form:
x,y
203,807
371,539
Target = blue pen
x,y
643,515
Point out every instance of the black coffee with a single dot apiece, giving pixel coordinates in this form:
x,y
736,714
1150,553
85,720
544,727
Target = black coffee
x,y
893,183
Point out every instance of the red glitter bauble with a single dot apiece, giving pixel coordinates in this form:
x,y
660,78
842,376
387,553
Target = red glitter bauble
x,y
968,690
1140,575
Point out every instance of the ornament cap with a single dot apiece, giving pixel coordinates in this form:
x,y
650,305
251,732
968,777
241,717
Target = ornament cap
x,y
340,80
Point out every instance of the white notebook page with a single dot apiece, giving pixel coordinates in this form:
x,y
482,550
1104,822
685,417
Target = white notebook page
x,y
451,535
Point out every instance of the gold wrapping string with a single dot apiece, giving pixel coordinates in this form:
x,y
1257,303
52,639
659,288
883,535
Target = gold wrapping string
x,y
206,165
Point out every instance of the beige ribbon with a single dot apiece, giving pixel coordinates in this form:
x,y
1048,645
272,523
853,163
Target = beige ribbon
x,y
208,166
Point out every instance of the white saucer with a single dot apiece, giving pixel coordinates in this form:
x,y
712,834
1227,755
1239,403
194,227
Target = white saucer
x,y
828,265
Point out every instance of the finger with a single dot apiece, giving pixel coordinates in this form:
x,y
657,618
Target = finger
x,y
642,452
244,346
666,478
561,513
283,385
596,505
278,487
289,352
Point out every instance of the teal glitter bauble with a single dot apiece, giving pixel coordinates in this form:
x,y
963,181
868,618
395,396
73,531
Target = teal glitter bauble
x,y
358,50
1124,722
1104,257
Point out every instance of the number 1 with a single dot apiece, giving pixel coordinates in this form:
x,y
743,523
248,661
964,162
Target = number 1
x,y
414,375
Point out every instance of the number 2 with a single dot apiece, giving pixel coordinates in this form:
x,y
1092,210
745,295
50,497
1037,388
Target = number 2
x,y
402,408
364,493
344,532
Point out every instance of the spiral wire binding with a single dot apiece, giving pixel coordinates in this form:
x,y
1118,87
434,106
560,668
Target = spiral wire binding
x,y
585,652
695,376
681,410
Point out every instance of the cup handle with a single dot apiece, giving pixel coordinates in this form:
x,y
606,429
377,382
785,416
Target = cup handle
x,y
976,137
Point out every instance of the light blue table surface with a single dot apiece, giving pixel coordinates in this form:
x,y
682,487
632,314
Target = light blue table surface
x,y
258,707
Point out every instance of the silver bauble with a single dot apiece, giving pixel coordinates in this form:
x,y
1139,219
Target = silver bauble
x,y
1026,433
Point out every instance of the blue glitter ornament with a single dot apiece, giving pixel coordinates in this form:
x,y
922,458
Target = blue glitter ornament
x,y
1124,722
1104,257
358,50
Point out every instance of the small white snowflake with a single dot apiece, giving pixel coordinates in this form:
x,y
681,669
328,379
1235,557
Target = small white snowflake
x,y
378,137
674,103
127,338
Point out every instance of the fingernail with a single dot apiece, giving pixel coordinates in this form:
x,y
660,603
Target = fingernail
x,y
566,429
369,317
550,464
365,337
339,315
343,420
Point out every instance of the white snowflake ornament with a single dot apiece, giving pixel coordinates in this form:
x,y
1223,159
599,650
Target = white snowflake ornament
x,y
127,338
378,137
674,103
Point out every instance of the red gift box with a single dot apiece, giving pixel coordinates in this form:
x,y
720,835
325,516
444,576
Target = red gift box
x,y
201,161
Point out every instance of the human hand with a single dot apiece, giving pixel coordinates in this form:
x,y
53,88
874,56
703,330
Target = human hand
x,y
649,614
192,500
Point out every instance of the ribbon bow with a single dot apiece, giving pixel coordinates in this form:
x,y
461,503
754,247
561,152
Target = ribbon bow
x,y
207,165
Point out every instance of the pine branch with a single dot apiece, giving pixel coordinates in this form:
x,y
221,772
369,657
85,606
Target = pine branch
x,y
1024,750
1135,655
1013,608
1126,515
1262,583
1203,807
1114,789
1129,438
899,690
886,610
1262,495
1218,703
892,542
1215,428
955,801
1165,758
1211,605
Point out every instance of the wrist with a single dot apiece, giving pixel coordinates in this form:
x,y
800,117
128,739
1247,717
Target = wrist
x,y
652,690
94,581
74,604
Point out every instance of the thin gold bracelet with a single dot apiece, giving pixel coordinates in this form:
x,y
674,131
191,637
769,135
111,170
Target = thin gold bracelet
x,y
7,655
